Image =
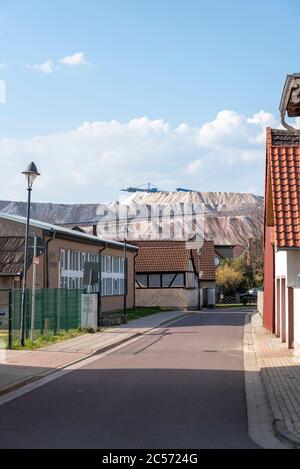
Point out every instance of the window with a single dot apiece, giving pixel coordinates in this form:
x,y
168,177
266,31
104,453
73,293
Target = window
x,y
116,282
112,275
154,281
167,279
66,261
122,285
141,280
178,281
63,282
116,264
72,271
109,289
82,256
61,259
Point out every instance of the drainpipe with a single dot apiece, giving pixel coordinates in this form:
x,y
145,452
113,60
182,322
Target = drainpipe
x,y
99,307
46,271
125,280
134,273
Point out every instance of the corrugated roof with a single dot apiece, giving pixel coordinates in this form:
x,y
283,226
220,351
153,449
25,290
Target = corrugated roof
x,y
11,255
63,230
283,193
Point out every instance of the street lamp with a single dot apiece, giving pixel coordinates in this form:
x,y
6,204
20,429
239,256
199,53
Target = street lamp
x,y
30,174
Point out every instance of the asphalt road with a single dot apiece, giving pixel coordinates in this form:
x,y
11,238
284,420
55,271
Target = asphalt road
x,y
180,386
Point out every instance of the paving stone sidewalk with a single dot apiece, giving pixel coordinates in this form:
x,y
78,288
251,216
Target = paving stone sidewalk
x,y
281,377
19,367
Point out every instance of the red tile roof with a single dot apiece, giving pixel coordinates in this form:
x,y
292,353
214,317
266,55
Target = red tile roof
x,y
162,256
282,205
205,262
174,256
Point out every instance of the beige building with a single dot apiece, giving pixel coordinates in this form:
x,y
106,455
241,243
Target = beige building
x,y
63,254
171,274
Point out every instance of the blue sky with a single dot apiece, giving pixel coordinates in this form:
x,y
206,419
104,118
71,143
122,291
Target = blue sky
x,y
169,60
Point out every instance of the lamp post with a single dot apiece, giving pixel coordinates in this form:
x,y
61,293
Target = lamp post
x,y
30,174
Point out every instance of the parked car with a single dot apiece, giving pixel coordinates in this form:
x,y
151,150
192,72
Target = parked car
x,y
249,297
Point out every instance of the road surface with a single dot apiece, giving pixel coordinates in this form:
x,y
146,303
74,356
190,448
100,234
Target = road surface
x,y
179,386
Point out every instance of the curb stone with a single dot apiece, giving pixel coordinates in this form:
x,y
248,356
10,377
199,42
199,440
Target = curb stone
x,y
282,432
98,351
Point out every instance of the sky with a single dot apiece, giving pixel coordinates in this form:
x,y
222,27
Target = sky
x,y
105,94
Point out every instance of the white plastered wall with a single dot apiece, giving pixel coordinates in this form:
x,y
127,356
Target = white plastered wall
x,y
287,264
167,297
297,321
280,273
293,263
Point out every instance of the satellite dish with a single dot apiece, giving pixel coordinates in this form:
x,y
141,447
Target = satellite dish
x,y
217,261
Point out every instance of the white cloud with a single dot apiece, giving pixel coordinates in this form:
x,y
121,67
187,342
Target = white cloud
x,y
297,123
95,160
49,66
262,118
74,60
252,155
45,67
226,124
194,167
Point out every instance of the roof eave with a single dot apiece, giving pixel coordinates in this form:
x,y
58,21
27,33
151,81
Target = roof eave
x,y
97,241
287,248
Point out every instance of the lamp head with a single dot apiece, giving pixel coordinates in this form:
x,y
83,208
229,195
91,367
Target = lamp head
x,y
30,173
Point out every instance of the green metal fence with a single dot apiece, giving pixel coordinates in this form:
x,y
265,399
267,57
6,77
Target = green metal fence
x,y
56,310
4,318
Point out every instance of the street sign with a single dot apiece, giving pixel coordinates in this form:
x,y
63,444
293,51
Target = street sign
x,y
40,247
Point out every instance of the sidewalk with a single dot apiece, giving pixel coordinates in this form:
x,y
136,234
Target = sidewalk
x,y
18,367
281,377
